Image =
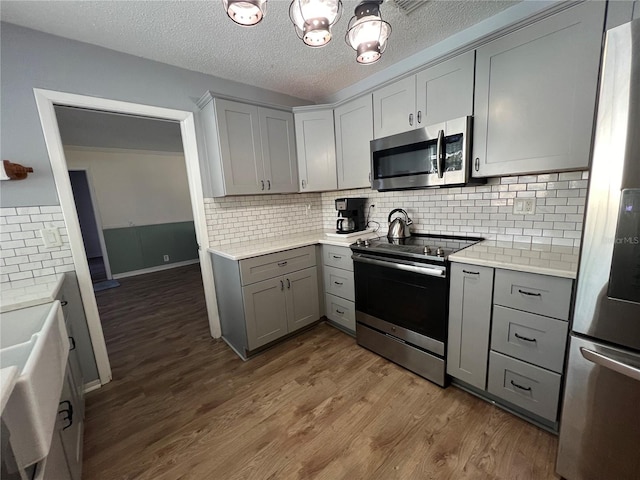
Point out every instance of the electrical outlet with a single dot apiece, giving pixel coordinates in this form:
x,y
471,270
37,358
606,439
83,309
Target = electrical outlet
x,y
166,258
524,206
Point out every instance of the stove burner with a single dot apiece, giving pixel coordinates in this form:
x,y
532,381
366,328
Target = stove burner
x,y
418,247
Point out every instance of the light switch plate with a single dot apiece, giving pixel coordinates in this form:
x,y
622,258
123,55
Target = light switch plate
x,y
51,237
524,206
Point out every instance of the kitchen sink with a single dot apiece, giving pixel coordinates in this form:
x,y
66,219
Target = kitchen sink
x,y
34,340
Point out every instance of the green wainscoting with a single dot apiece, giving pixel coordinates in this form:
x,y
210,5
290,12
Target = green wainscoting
x,y
139,247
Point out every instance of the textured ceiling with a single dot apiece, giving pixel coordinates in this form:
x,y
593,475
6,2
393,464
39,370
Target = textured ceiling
x,y
197,35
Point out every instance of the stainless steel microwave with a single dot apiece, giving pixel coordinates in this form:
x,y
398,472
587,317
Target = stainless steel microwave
x,y
434,156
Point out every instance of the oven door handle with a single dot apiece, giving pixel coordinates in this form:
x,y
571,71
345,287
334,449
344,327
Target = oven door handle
x,y
433,271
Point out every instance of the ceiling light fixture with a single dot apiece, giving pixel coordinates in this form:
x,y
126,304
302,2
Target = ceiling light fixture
x,y
313,19
368,33
245,12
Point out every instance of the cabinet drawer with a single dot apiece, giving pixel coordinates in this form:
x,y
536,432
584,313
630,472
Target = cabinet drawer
x,y
341,311
532,338
339,282
524,385
260,268
339,257
541,294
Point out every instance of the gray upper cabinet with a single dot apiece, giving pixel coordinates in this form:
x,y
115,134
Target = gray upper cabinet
x,y
251,149
434,95
354,131
445,91
535,95
393,108
278,150
316,147
469,323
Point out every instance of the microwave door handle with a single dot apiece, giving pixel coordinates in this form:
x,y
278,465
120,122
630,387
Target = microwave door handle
x,y
440,154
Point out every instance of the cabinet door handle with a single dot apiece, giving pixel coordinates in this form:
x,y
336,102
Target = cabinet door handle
x,y
72,344
64,303
440,154
337,257
339,312
268,184
338,283
526,339
476,164
281,286
282,264
369,177
531,294
469,272
261,184
304,184
419,116
526,389
288,284
69,413
411,119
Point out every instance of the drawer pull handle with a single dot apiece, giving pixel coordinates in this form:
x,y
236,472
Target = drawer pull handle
x,y
526,389
468,272
64,303
282,264
68,413
531,294
338,283
339,312
526,339
337,257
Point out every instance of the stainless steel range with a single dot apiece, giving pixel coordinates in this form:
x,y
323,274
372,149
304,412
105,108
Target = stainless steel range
x,y
402,299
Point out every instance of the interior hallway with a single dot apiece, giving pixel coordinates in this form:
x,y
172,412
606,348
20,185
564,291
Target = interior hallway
x,y
183,405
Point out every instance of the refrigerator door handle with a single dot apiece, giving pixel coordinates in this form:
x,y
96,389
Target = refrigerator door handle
x,y
610,363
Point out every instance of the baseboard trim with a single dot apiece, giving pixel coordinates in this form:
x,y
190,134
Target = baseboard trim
x,y
159,268
91,386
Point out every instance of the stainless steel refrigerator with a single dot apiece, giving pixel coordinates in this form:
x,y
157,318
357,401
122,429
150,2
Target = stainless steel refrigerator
x,y
600,429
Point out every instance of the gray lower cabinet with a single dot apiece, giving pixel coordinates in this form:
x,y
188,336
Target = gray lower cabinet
x,y
507,338
339,288
64,460
262,299
81,359
265,312
71,425
280,305
535,95
469,323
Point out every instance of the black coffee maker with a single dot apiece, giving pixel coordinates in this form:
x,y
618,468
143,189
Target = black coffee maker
x,y
351,216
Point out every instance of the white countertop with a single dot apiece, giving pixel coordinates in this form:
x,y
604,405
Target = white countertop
x,y
255,248
45,291
557,261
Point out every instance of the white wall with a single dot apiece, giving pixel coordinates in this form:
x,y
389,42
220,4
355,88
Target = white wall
x,y
135,187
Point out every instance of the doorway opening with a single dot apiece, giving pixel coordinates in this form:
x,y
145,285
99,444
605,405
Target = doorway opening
x,y
91,228
47,101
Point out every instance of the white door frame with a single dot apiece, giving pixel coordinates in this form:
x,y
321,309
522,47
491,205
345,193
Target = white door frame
x,y
96,216
45,101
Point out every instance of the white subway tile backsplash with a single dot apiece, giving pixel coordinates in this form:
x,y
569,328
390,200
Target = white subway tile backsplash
x,y
25,256
434,211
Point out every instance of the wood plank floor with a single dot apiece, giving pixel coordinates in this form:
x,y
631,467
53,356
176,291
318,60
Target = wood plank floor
x,y
184,406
